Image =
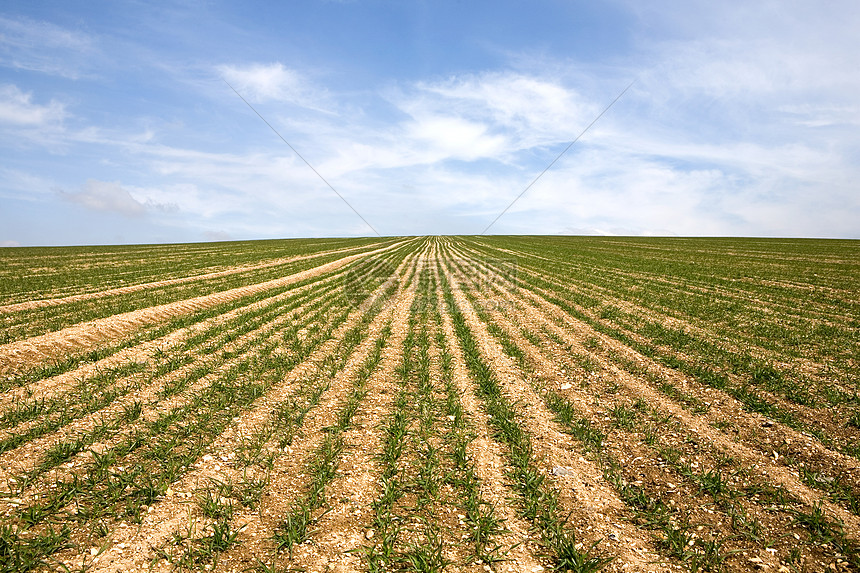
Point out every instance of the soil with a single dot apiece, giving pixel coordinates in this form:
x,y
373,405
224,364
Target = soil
x,y
624,500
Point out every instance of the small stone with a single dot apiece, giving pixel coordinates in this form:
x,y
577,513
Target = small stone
x,y
94,551
566,386
369,534
562,471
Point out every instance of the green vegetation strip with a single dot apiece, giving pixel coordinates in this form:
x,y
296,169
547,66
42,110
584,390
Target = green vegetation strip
x,y
71,362
700,367
43,272
37,321
163,451
676,537
840,488
538,501
322,469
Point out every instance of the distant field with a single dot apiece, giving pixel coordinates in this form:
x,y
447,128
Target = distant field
x,y
432,404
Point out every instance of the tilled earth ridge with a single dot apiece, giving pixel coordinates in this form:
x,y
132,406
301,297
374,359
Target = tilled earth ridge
x,y
15,307
680,321
791,443
756,431
96,332
552,370
150,398
53,385
603,512
167,517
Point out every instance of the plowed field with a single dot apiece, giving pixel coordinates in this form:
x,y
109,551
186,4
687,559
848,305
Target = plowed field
x,y
432,404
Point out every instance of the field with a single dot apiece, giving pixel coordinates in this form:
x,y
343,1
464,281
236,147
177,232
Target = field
x,y
432,404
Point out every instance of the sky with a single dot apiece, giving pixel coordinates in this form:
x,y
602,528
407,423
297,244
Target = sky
x,y
119,122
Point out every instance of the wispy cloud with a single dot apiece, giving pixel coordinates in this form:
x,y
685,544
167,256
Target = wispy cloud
x,y
17,108
274,82
743,120
44,47
111,197
28,121
532,110
497,117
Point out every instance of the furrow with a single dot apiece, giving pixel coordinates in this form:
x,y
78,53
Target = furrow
x,y
338,533
597,510
151,398
719,405
39,303
317,371
93,333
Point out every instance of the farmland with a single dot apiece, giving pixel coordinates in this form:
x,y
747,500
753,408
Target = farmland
x,y
432,404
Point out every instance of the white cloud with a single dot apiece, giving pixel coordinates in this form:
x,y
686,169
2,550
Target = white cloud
x,y
463,147
10,244
753,57
446,137
17,108
274,82
743,121
821,115
111,197
494,116
105,196
44,47
538,110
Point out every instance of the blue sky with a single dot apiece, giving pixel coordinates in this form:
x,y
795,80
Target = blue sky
x,y
117,126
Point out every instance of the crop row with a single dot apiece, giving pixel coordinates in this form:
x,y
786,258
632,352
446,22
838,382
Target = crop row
x,y
137,457
644,413
28,274
31,321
